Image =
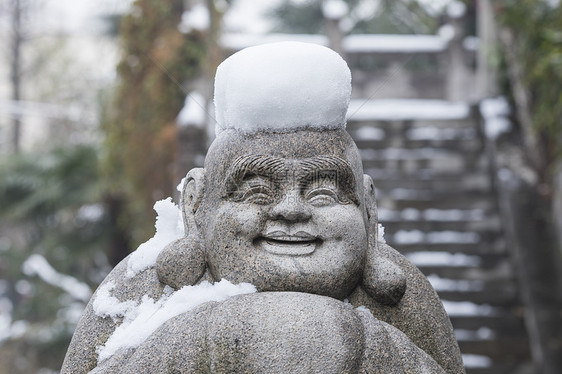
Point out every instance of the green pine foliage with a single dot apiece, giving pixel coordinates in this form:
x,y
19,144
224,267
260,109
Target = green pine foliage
x,y
51,204
538,32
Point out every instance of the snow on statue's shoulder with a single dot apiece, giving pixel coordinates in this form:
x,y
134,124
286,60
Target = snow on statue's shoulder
x,y
281,87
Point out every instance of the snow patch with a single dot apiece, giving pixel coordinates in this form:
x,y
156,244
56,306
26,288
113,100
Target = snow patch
x,y
404,109
456,9
495,112
483,333
462,285
140,320
369,133
405,237
169,227
443,259
38,265
197,18
476,361
193,111
334,9
282,87
467,308
381,238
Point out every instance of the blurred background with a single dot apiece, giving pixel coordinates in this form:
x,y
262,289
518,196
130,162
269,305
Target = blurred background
x,y
456,108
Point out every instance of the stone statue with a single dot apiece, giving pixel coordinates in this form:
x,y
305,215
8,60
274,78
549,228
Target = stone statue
x,y
281,204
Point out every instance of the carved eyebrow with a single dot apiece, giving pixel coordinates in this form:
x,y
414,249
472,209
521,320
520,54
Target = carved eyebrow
x,y
312,167
306,169
264,165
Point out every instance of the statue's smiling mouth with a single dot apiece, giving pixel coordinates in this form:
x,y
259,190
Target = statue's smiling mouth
x,y
281,243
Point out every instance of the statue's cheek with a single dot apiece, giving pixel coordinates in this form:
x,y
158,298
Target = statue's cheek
x,y
240,219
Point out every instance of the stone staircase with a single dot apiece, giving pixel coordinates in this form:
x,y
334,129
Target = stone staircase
x,y
438,206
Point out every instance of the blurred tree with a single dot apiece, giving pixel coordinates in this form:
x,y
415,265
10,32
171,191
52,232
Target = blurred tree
x,y
140,125
51,210
17,13
532,41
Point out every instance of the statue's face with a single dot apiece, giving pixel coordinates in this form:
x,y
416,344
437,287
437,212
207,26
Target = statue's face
x,y
288,223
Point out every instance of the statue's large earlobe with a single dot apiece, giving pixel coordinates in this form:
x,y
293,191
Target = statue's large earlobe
x,y
383,279
182,262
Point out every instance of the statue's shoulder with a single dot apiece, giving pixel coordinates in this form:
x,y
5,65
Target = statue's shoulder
x,y
99,320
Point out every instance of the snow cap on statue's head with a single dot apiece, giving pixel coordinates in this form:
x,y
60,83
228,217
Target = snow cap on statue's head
x,y
282,87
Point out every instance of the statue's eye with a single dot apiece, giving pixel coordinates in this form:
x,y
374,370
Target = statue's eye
x,y
255,190
258,194
322,196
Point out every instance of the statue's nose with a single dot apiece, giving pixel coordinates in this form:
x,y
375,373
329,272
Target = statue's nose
x,y
291,207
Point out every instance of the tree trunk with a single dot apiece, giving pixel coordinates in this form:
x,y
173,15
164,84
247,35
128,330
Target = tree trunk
x,y
15,70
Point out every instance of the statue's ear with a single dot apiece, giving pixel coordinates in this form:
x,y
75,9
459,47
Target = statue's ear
x,y
182,262
191,197
383,279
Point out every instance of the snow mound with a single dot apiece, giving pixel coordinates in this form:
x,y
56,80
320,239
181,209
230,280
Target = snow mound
x,y
140,320
169,227
282,87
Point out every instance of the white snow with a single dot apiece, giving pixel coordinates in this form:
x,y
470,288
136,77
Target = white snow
x,y
467,308
495,112
476,361
197,18
456,9
447,215
169,227
404,109
280,87
334,9
438,215
438,258
387,43
483,333
38,265
436,133
381,238
471,43
140,320
462,285
369,133
8,328
193,111
446,32
90,213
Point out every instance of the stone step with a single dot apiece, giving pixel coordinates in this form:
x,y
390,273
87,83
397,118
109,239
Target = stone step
x,y
507,323
519,367
423,200
399,126
474,250
501,270
507,297
439,161
421,233
417,180
502,348
427,175
488,227
468,146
